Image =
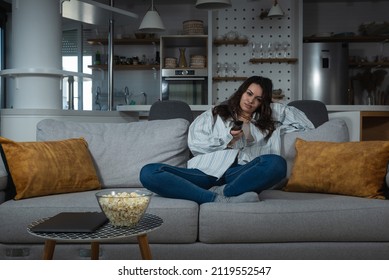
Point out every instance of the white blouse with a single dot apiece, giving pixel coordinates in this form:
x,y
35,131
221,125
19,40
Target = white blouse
x,y
208,139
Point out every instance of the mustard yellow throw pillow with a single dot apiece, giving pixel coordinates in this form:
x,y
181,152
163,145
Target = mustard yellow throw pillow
x,y
346,168
53,167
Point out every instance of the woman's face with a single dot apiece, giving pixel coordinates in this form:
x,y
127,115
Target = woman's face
x,y
251,99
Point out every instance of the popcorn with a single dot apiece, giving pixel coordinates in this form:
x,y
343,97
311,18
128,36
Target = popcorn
x,y
123,208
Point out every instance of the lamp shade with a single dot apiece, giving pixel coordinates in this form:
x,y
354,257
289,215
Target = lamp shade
x,y
213,4
276,11
152,22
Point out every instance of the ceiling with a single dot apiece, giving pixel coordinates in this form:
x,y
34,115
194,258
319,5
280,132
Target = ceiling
x,y
130,3
126,3
91,12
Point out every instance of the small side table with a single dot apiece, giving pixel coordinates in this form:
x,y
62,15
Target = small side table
x,y
107,232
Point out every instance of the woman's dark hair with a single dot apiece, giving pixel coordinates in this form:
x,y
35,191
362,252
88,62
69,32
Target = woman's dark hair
x,y
263,117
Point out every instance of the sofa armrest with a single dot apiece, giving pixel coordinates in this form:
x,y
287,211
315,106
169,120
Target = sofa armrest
x,y
334,130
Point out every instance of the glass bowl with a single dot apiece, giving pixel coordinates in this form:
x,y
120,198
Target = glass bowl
x,y
124,208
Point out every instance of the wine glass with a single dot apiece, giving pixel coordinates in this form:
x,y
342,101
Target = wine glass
x,y
261,51
277,47
235,68
269,49
285,46
226,68
218,68
254,48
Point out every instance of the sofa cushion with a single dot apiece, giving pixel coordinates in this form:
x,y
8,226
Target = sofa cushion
x,y
44,168
349,168
120,150
180,217
335,130
3,176
296,217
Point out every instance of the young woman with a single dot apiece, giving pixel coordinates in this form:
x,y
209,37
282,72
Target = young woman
x,y
236,148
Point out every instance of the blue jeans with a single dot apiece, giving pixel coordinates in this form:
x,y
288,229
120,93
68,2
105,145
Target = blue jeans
x,y
192,184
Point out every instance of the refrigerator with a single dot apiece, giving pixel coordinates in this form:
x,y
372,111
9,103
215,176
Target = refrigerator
x,y
325,73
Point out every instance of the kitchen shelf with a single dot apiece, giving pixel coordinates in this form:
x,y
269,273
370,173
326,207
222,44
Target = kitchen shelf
x,y
125,41
228,79
347,39
126,67
231,42
273,60
382,64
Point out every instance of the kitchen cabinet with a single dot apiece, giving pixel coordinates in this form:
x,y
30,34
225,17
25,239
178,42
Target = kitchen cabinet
x,y
365,123
374,126
193,44
184,69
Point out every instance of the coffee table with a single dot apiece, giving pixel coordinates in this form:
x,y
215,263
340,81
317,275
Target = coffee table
x,y
105,233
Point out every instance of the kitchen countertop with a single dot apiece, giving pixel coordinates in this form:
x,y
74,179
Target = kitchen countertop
x,y
348,108
330,108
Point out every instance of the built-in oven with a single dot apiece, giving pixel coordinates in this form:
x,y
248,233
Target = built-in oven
x,y
188,85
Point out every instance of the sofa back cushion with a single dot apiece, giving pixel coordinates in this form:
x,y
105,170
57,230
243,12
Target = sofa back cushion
x,y
120,150
335,130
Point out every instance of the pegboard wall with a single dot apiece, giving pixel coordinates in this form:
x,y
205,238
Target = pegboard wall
x,y
244,19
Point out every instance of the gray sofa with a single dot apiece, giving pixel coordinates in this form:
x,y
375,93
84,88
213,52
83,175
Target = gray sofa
x,y
283,225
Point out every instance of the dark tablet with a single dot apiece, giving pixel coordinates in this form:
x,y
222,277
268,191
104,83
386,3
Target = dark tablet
x,y
72,222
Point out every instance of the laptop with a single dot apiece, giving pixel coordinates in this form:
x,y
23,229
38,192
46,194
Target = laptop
x,y
85,222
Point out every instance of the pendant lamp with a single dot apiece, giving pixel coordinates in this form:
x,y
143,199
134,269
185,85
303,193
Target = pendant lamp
x,y
275,10
213,4
152,21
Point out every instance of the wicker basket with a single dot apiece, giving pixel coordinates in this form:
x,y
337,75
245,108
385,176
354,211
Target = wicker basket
x,y
170,62
197,61
193,27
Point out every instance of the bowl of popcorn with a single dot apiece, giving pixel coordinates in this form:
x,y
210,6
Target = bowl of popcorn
x,y
124,208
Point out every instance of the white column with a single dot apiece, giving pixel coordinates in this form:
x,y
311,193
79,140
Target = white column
x,y
36,44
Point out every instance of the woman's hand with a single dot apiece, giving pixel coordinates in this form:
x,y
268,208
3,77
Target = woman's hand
x,y
236,134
